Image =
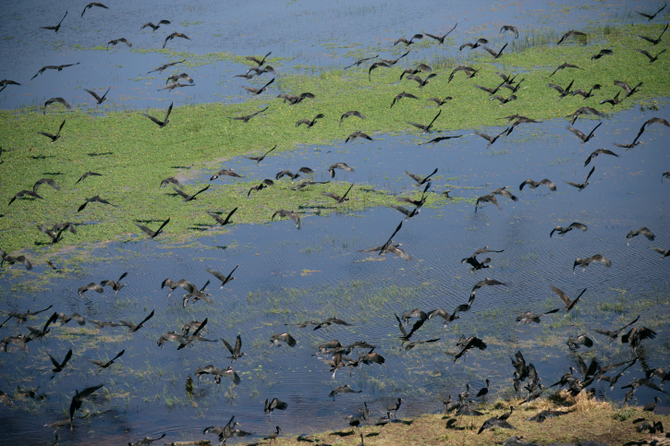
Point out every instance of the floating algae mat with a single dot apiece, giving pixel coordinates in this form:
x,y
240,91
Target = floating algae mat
x,y
285,276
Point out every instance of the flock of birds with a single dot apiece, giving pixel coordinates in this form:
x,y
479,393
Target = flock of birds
x,y
334,354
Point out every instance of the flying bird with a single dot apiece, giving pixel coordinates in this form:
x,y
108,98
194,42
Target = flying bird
x,y
155,27
224,279
421,180
581,135
351,113
469,72
655,41
439,138
510,28
167,65
570,33
487,198
222,221
257,91
149,232
173,35
309,123
581,186
410,41
601,53
53,67
234,351
188,197
55,137
56,27
564,66
132,328
260,158
441,38
360,61
59,366
561,230
59,100
533,184
426,128
569,304
290,214
93,200
116,286
529,317
246,119
644,231
494,53
343,166
584,262
336,197
283,337
422,82
477,44
77,401
258,62
651,16
582,111
357,134
113,42
98,99
469,343
226,172
105,364
90,5
563,92
490,139
274,403
651,58
626,88
400,96
165,121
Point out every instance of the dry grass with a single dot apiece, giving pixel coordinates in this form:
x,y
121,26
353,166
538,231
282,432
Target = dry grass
x,y
588,420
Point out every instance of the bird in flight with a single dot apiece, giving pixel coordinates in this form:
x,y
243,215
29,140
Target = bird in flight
x,y
357,134
246,119
222,221
57,135
419,180
336,197
53,67
56,27
655,41
533,184
257,91
93,200
581,135
188,197
574,225
651,16
113,42
290,214
155,27
426,128
149,232
59,100
598,152
581,186
309,123
569,304
584,262
399,96
441,38
510,28
99,99
167,65
651,58
173,35
158,122
570,33
494,53
90,5
563,66
259,62
351,113
224,279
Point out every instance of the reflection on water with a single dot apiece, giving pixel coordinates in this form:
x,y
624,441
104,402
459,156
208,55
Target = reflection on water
x,y
286,276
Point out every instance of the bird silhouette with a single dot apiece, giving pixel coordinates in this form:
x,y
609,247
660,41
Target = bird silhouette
x,y
564,66
581,186
188,197
627,89
581,135
533,184
441,38
258,62
490,139
246,119
165,121
167,65
309,123
116,286
224,279
339,199
53,67
529,317
105,364
94,199
234,351
582,111
510,28
651,58
59,100
426,128
569,304
563,92
644,231
77,401
571,33
55,137
149,232
601,53
651,16
494,53
490,198
283,337
56,27
290,214
155,27
410,41
360,61
469,72
132,328
222,221
98,99
257,91
584,262
59,366
561,230
173,35
481,41
357,134
657,40
113,42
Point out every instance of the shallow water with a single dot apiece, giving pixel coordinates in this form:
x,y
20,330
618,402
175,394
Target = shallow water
x,y
286,275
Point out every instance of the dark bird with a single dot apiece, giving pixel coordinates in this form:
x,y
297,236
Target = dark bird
x,y
16,259
39,333
651,406
149,232
286,173
78,398
614,101
248,117
57,27
336,197
439,138
487,198
90,5
441,38
95,199
664,252
406,211
469,72
290,214
637,335
570,33
490,91
376,65
490,139
405,335
584,262
652,59
357,134
224,279
175,85
644,231
105,364
56,232
56,136
422,82
310,123
59,100
613,334
495,422
601,53
440,102
59,366
24,193
132,328
260,158
5,82
292,99
400,96
529,317
484,390
574,342
283,337
504,100
651,16
188,197
170,180
471,342
426,128
410,41
561,230
343,166
564,66
53,67
494,53
658,40
173,35
533,184
351,113
177,77
91,286
360,61
165,121
226,172
581,186
563,92
626,88
477,44
116,286
234,351
569,304
420,180
342,389
274,435
99,99
273,404
258,62
113,42
598,152
222,221
257,91
167,65
155,27
448,317
644,127
510,28
481,283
